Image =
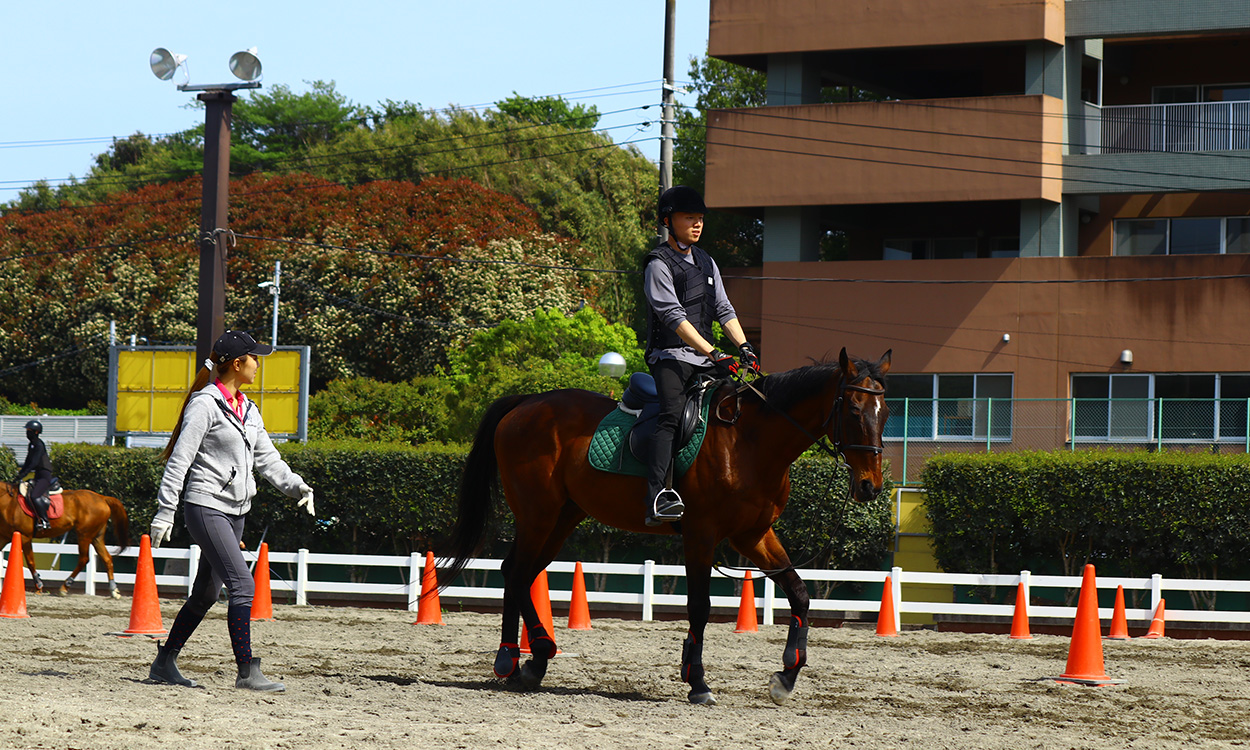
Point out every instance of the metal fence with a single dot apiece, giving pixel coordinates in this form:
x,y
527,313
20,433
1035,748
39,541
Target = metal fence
x,y
922,427
1173,128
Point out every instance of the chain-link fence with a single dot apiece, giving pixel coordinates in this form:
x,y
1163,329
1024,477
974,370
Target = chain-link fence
x,y
922,427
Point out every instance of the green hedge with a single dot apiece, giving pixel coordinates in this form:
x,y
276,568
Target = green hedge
x,y
381,498
1178,514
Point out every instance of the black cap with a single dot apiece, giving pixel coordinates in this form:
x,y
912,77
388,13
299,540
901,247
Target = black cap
x,y
234,344
681,199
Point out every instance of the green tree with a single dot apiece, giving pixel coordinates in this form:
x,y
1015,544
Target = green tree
x,y
549,110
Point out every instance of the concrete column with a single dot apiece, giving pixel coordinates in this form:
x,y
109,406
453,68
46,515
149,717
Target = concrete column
x,y
791,81
1042,230
1043,69
791,233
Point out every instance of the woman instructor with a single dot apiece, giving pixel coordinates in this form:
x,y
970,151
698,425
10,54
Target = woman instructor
x,y
218,441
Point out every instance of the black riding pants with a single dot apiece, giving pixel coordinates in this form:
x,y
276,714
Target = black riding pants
x,y
37,488
671,378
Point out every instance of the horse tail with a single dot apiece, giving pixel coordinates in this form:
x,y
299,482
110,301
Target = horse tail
x,y
479,488
121,524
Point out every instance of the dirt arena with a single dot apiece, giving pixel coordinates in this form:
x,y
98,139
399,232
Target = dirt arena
x,y
367,678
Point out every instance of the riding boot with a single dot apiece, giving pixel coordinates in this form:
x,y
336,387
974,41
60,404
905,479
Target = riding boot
x,y
250,678
165,667
40,506
663,503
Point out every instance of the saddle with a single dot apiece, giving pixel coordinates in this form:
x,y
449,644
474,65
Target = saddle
x,y
53,497
618,443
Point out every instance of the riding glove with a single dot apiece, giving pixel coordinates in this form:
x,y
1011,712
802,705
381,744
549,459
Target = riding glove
x,y
750,359
726,366
161,532
306,499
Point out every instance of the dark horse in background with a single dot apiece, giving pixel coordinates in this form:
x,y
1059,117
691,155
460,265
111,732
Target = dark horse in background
x,y
536,446
86,513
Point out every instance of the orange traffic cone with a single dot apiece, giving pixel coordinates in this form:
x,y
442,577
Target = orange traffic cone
x,y
1119,620
13,597
429,609
579,611
1156,624
262,602
746,607
885,615
1020,620
145,606
1085,665
541,596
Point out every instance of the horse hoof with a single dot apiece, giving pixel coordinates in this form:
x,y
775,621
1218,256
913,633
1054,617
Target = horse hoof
x,y
531,678
40,592
780,688
702,699
115,594
62,591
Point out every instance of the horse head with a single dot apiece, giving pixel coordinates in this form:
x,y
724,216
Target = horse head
x,y
857,422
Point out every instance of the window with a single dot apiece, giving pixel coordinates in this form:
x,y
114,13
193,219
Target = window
x,y
1004,247
1210,236
923,248
950,407
1168,407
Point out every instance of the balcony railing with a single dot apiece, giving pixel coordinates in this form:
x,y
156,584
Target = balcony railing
x,y
1168,128
921,427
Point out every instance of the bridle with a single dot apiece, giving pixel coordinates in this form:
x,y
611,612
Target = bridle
x,y
838,449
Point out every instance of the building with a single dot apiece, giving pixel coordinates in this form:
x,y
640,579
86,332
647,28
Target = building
x,y
1050,208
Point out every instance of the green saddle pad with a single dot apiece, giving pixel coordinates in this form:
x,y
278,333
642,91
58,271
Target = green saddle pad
x,y
608,451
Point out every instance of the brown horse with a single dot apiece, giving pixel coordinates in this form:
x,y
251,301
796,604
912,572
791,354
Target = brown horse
x,y
735,490
86,513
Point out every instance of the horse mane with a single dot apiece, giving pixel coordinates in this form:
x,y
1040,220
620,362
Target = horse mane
x,y
785,389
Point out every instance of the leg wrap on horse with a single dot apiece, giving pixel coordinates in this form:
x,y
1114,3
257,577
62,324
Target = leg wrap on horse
x,y
542,645
692,662
506,660
795,655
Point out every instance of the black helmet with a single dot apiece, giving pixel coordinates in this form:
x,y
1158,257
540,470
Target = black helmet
x,y
680,198
35,425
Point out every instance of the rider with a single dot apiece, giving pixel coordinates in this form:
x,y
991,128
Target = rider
x,y
38,463
684,295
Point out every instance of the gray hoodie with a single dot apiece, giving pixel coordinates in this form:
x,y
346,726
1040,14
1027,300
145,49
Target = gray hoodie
x,y
212,463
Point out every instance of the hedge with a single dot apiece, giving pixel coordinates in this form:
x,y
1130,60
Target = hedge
x,y
1177,514
380,498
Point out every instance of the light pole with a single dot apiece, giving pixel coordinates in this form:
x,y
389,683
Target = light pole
x,y
275,288
215,197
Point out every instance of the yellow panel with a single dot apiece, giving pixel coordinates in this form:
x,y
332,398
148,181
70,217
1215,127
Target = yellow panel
x,y
281,412
133,412
280,372
134,371
172,371
165,409
913,513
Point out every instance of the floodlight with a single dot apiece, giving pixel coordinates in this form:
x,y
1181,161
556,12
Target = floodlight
x,y
612,365
164,63
245,65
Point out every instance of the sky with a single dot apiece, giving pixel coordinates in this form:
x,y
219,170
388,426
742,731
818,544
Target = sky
x,y
79,76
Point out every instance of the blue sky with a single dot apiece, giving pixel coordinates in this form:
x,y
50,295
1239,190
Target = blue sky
x,y
78,71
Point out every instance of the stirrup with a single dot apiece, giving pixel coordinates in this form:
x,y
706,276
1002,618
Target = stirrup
x,y
665,508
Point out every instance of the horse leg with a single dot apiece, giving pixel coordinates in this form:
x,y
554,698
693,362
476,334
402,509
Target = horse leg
x,y
698,608
28,553
104,555
82,563
769,555
509,647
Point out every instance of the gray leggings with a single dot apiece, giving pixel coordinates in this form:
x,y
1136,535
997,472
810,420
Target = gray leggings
x,y
218,535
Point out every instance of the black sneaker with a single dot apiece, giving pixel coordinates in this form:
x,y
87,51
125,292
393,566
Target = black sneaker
x,y
666,508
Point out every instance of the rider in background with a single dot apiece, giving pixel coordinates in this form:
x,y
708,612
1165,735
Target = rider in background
x,y
218,442
684,295
38,463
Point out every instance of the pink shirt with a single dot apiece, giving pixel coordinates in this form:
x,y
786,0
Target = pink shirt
x,y
236,403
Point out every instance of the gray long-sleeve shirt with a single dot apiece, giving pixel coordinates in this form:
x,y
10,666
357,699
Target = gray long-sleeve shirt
x,y
657,285
213,461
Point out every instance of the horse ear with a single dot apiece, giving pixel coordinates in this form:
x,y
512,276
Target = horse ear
x,y
884,362
844,362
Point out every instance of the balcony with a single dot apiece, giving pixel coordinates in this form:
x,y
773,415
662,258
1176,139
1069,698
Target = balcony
x,y
1171,128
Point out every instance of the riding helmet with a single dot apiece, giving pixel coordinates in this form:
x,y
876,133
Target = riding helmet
x,y
680,198
35,425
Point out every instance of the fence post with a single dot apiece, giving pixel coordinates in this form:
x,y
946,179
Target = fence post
x,y
896,593
301,578
989,423
1072,426
1156,592
91,571
1027,579
193,564
416,572
907,425
1247,427
770,600
648,589
1159,426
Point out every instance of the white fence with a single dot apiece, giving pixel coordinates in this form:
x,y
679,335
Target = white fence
x,y
647,575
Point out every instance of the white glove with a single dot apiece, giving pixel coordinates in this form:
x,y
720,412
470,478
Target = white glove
x,y
161,532
306,499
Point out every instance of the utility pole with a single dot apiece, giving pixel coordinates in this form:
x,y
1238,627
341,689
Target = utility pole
x,y
667,117
275,288
210,321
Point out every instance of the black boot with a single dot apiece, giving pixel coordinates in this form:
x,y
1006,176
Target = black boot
x,y
664,505
250,678
165,667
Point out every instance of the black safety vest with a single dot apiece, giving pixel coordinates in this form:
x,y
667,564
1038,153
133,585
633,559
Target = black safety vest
x,y
695,288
